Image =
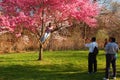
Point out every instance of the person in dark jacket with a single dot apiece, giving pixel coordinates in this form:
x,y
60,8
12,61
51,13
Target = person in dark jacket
x,y
111,50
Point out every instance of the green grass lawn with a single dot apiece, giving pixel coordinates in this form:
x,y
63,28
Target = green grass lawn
x,y
56,65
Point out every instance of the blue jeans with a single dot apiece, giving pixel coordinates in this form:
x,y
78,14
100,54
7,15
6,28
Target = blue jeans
x,y
110,59
45,36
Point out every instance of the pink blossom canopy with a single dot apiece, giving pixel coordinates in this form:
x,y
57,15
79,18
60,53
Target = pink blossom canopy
x,y
19,14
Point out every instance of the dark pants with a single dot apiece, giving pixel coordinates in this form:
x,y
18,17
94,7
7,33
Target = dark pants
x,y
92,62
110,58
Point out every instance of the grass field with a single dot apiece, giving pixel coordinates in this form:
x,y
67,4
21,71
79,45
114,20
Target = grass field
x,y
56,65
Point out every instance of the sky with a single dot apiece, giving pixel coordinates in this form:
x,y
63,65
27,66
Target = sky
x,y
117,0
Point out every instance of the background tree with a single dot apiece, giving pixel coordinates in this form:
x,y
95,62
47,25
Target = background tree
x,y
108,20
34,15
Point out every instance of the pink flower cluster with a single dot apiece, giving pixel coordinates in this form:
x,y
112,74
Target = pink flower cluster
x,y
19,14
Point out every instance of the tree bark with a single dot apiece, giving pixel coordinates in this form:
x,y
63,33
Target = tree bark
x,y
40,52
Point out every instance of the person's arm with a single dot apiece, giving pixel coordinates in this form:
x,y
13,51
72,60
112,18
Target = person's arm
x,y
87,45
87,42
117,49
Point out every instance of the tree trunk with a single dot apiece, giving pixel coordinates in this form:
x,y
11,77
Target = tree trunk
x,y
40,52
85,32
42,30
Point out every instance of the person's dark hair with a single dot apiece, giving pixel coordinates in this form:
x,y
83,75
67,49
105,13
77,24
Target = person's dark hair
x,y
112,39
49,24
93,39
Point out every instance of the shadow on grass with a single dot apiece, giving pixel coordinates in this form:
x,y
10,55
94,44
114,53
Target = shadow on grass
x,y
46,72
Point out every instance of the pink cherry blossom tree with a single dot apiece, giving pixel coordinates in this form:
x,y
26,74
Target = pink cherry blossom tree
x,y
34,15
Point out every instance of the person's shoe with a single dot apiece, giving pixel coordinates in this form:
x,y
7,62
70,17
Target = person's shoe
x,y
95,72
114,78
105,79
89,72
111,74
